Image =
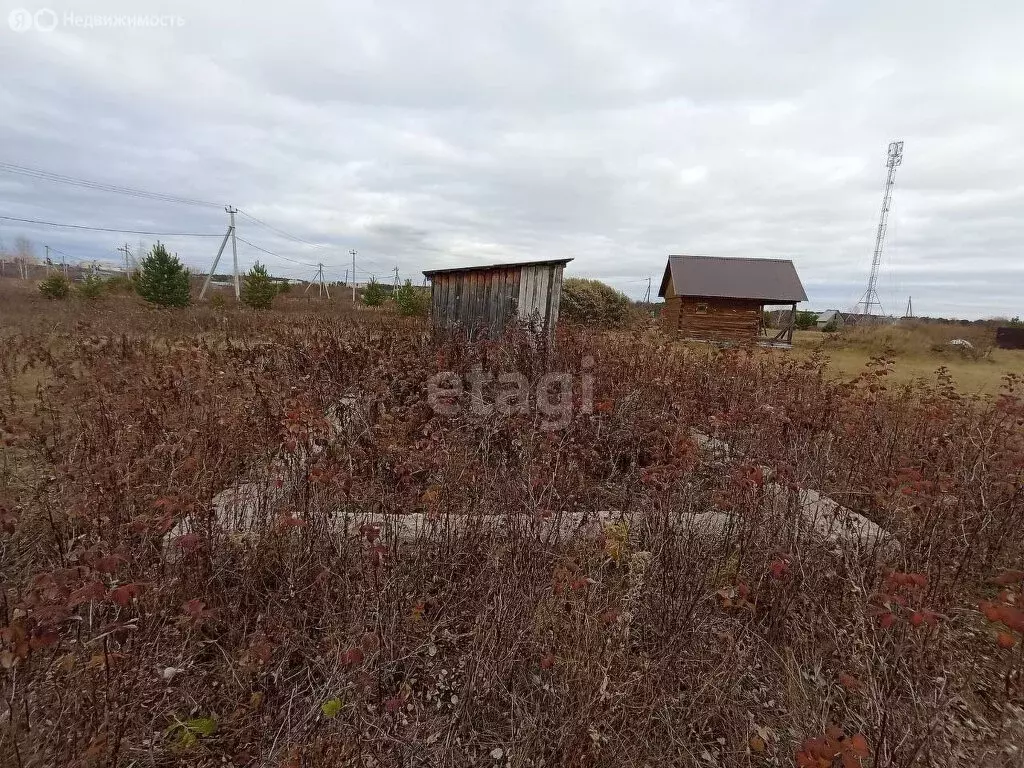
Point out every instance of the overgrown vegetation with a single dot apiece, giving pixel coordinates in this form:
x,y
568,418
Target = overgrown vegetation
x,y
90,288
162,279
119,284
591,302
56,287
806,320
258,290
412,301
373,294
910,337
138,629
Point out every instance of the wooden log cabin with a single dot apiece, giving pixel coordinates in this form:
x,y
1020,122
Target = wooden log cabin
x,y
723,299
482,301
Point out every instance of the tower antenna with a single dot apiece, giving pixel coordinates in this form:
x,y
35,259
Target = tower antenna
x,y
893,160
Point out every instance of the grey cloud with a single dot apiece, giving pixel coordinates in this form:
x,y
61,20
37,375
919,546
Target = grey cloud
x,y
428,134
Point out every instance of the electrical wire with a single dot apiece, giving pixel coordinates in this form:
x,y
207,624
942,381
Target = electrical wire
x,y
43,175
36,173
65,255
294,238
282,232
109,229
275,255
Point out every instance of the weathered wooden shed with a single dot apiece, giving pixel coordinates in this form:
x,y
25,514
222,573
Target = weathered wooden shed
x,y
723,299
483,300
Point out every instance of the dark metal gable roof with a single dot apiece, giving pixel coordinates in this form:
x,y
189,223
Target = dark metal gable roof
x,y
726,278
431,272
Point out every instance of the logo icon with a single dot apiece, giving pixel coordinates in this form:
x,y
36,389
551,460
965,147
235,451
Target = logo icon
x,y
45,20
20,20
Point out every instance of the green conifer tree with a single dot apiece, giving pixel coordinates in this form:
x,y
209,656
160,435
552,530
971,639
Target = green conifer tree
x,y
374,294
163,279
259,290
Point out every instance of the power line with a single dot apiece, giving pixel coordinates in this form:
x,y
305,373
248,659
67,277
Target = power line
x,y
293,261
109,229
58,250
68,255
43,175
282,232
276,255
36,173
288,235
336,275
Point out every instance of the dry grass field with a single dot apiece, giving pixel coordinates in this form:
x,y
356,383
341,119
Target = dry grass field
x,y
917,351
140,628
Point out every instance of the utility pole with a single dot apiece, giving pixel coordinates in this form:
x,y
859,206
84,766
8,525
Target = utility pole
x,y
47,259
323,286
647,298
346,276
396,277
216,259
319,279
353,252
894,159
127,260
234,250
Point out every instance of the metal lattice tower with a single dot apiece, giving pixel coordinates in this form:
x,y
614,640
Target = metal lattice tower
x,y
870,299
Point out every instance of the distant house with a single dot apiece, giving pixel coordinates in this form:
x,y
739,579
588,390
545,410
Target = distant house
x,y
829,316
710,298
483,301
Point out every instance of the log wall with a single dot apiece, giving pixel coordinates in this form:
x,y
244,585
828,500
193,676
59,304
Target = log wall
x,y
734,320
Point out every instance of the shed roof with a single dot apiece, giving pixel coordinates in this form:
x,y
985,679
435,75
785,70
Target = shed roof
x,y
729,278
432,272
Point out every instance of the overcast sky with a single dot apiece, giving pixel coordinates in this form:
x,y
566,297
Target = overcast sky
x,y
434,133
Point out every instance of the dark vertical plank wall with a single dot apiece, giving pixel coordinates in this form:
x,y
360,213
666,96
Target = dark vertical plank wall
x,y
483,301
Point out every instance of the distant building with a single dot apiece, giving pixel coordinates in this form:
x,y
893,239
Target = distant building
x,y
830,316
482,301
723,299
